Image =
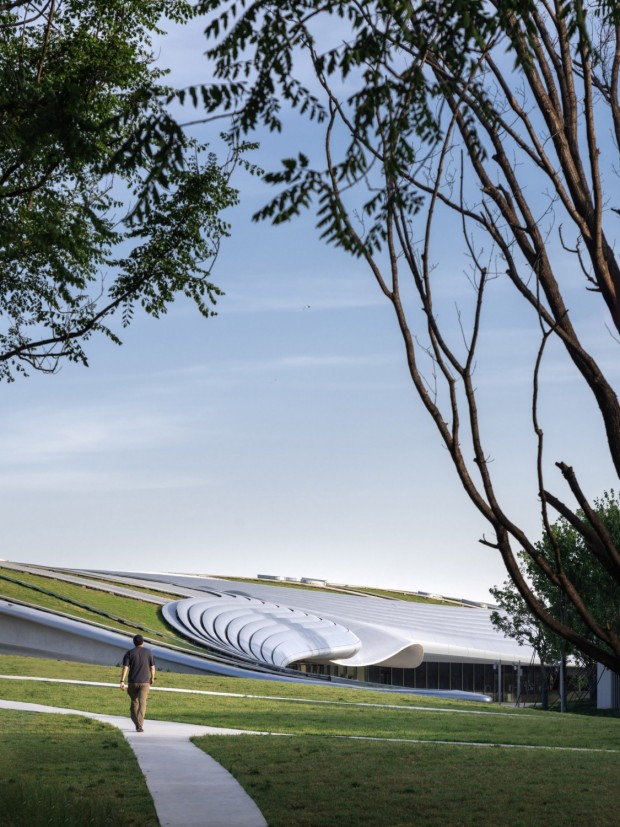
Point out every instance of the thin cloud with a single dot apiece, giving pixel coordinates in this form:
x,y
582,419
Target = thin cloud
x,y
42,436
91,482
310,361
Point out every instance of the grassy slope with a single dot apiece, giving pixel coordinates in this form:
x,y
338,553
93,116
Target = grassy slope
x,y
136,613
319,781
310,709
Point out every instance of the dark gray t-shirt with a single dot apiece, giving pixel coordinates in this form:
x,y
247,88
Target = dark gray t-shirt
x,y
139,661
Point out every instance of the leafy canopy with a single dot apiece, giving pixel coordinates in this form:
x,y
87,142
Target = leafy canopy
x,y
105,204
496,125
599,590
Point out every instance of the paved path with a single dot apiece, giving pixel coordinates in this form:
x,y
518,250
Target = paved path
x,y
189,788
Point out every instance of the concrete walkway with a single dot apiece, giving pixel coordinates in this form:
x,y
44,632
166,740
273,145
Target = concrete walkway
x,y
188,787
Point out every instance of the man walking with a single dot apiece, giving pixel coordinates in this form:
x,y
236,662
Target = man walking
x,y
138,663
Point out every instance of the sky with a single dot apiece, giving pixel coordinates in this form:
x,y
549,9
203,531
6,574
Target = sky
x,y
282,436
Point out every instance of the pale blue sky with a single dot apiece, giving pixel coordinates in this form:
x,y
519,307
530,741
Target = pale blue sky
x,y
282,436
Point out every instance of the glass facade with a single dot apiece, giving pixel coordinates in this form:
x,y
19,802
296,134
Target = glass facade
x,y
503,682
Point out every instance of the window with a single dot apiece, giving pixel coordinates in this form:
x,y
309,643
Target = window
x,y
420,676
432,675
456,676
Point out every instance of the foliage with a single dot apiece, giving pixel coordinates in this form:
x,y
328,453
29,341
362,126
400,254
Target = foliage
x,y
598,589
517,621
496,124
105,205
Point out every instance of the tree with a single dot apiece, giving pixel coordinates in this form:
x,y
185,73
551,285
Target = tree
x,y
597,589
515,620
496,121
105,205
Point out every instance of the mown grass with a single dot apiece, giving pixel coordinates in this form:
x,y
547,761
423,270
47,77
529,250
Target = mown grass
x,y
122,584
325,777
322,782
311,710
134,613
63,769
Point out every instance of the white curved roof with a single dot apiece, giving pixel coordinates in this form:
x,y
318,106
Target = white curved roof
x,y
390,632
257,629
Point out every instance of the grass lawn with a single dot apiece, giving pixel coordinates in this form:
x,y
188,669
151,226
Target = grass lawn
x,y
331,774
309,709
322,782
63,769
126,614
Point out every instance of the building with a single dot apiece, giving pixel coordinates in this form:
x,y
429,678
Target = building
x,y
352,636
274,629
